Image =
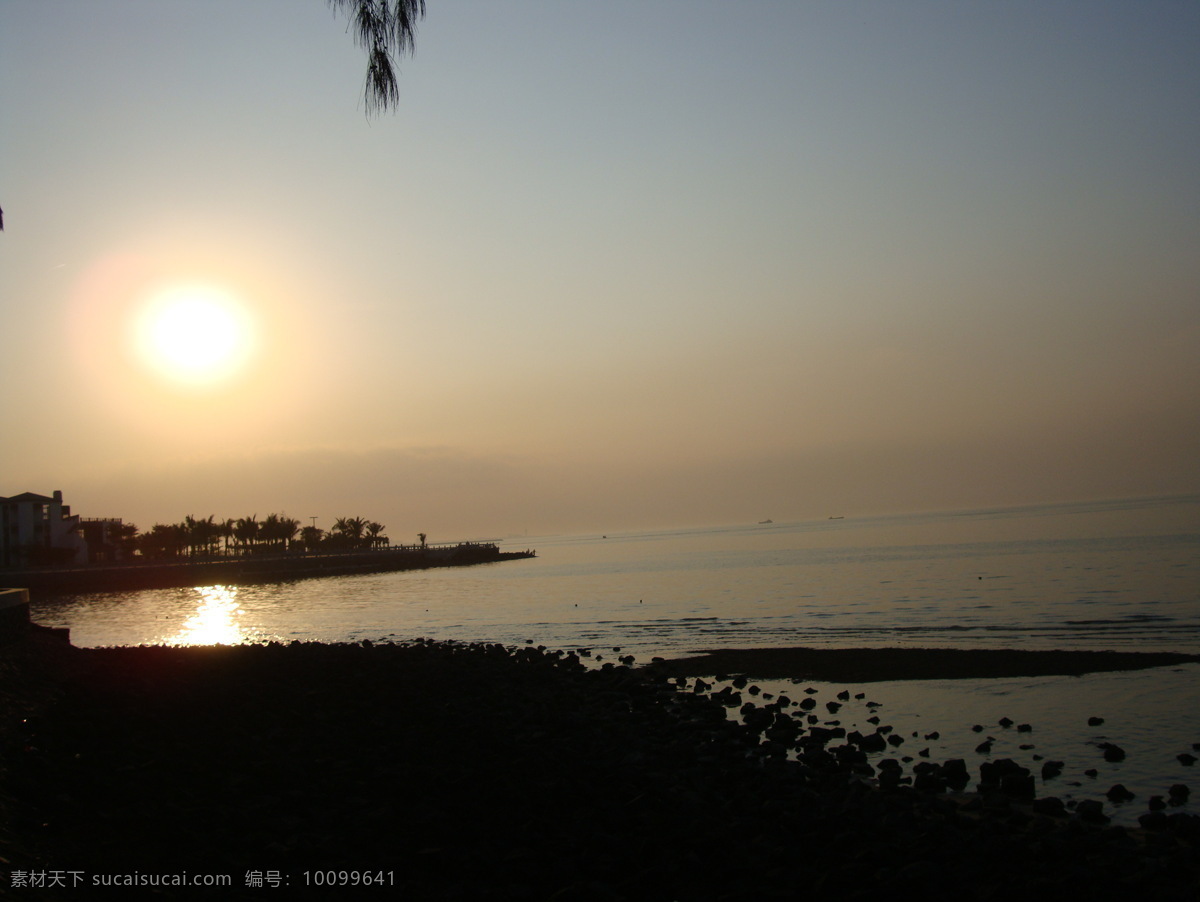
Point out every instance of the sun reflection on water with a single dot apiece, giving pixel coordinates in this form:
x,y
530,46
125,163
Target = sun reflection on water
x,y
215,619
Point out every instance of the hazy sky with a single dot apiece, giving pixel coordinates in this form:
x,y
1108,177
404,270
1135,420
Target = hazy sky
x,y
609,265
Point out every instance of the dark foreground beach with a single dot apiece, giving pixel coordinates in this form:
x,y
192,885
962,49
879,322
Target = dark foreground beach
x,y
439,771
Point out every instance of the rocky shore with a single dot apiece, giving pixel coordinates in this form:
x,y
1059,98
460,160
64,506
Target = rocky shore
x,y
481,772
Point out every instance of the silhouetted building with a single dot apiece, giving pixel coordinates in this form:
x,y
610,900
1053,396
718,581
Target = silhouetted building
x,y
102,535
36,530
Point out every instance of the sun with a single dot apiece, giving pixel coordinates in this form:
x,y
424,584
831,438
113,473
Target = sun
x,y
196,335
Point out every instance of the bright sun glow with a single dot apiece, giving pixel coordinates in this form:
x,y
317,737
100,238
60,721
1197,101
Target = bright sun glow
x,y
195,335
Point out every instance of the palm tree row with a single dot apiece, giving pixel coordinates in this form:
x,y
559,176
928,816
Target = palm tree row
x,y
355,532
210,537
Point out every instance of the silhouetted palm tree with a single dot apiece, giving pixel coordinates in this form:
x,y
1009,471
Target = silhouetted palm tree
x,y
225,529
350,530
278,530
288,528
374,531
162,541
246,530
385,29
200,533
311,537
124,536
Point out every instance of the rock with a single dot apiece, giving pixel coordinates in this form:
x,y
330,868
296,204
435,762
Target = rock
x,y
1095,721
955,773
1005,722
848,754
1156,803
990,772
870,743
1051,806
1187,825
1118,793
1052,769
1091,811
1008,777
1185,759
1155,820
1024,728
1112,752
822,735
890,773
1018,785
931,780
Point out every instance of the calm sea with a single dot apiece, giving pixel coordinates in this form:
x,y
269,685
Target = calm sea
x,y
1121,575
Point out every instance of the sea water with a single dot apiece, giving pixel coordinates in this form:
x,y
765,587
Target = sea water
x,y
1121,575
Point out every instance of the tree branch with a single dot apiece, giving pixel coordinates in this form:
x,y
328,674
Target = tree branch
x,y
386,29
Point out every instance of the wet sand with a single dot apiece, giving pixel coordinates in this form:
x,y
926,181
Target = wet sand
x,y
868,665
480,772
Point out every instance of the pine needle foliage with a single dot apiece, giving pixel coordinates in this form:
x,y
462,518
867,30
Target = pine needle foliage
x,y
387,30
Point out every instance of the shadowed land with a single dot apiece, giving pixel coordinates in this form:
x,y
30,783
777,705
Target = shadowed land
x,y
132,577
869,665
484,772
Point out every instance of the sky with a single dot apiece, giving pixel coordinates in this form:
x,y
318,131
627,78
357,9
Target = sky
x,y
641,263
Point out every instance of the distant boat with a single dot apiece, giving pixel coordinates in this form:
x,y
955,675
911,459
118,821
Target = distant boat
x,y
763,522
837,518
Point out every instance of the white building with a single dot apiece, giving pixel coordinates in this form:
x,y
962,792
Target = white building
x,y
37,530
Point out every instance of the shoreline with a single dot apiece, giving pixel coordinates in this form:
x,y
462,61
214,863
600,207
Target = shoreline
x,y
484,771
131,577
873,665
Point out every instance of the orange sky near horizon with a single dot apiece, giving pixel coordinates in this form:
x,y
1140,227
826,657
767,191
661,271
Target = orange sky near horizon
x,y
651,265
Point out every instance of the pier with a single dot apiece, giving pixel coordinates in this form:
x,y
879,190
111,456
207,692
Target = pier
x,y
255,568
